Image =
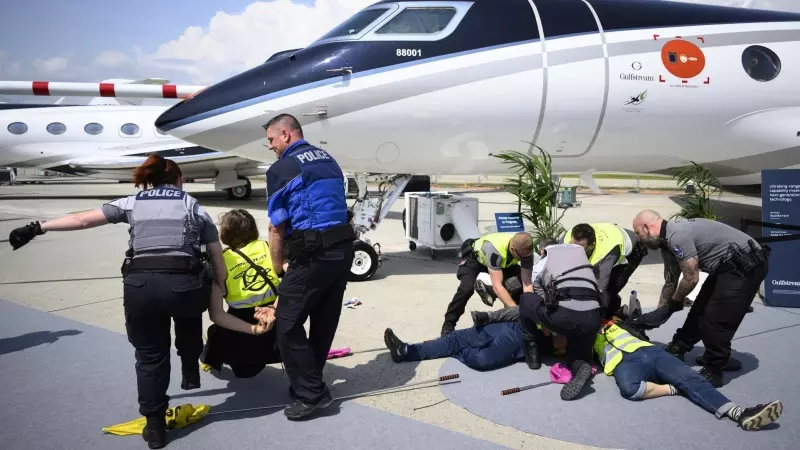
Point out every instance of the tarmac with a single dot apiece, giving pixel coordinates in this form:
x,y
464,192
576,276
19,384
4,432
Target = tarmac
x,y
76,275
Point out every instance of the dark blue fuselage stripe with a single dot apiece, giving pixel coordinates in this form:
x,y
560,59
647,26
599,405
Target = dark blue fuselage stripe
x,y
560,19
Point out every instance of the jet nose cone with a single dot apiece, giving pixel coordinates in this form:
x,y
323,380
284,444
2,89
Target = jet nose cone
x,y
177,115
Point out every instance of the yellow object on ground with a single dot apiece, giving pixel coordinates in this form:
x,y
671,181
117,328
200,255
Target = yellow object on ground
x,y
177,417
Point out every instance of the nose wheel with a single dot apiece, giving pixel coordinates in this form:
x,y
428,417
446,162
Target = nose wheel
x,y
365,261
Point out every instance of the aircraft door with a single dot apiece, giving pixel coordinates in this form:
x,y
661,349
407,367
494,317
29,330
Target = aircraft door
x,y
576,78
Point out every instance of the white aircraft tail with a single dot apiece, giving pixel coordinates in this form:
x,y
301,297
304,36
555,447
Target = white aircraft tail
x,y
126,100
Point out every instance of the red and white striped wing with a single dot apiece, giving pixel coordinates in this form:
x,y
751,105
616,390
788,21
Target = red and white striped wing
x,y
122,90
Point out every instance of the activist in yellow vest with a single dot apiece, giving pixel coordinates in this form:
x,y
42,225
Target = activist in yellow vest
x,y
247,288
501,242
610,345
607,236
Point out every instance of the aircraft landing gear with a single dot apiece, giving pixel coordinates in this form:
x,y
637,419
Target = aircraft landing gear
x,y
240,192
369,211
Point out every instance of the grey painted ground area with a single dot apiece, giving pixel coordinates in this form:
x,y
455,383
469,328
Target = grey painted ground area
x,y
63,381
765,344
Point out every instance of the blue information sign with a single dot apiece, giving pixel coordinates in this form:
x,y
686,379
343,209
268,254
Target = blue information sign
x,y
780,204
509,222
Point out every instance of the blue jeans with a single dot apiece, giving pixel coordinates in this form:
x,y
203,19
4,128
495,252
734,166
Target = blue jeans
x,y
490,347
655,365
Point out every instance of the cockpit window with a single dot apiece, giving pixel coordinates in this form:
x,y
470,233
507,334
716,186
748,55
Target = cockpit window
x,y
355,24
418,21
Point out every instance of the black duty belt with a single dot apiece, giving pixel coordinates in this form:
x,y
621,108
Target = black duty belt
x,y
304,243
166,264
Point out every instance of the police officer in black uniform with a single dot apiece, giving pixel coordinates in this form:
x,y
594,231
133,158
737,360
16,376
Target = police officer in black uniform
x,y
165,275
308,213
736,265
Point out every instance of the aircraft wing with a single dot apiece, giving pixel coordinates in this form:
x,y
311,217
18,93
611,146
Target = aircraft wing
x,y
148,88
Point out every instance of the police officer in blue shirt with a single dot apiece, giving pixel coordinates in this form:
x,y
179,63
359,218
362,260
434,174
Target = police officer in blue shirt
x,y
307,209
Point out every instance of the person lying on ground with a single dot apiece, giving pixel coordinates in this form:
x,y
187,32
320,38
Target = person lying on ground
x,y
479,347
644,371
244,337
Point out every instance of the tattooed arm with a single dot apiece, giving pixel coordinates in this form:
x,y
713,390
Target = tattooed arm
x,y
691,276
672,272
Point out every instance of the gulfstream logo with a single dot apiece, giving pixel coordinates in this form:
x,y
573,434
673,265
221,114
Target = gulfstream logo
x,y
634,77
785,283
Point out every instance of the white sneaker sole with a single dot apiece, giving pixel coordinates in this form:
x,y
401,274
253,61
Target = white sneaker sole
x,y
765,417
480,289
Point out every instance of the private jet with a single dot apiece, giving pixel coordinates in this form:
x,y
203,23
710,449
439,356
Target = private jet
x,y
439,87
111,135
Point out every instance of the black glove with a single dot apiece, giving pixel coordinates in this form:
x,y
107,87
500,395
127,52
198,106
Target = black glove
x,y
23,235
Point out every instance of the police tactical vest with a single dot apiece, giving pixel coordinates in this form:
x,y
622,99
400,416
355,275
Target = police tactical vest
x,y
162,219
247,288
566,258
607,237
609,346
320,202
501,242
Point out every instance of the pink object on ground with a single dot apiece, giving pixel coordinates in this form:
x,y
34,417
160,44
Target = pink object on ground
x,y
338,352
562,375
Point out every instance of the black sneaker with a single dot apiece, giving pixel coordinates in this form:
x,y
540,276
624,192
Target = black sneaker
x,y
479,318
754,418
532,355
397,348
714,376
675,350
155,432
302,409
732,365
483,292
578,381
448,328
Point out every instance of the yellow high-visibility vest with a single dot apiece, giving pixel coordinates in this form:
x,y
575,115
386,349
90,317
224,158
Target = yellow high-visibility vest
x,y
607,236
501,242
247,288
610,345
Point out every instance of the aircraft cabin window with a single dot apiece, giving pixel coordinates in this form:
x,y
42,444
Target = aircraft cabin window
x,y
761,63
130,129
17,128
93,128
419,21
56,128
355,24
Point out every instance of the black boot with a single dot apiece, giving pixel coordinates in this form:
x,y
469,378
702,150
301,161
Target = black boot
x,y
155,431
732,365
532,355
581,372
191,374
302,409
479,318
758,416
713,375
676,350
397,348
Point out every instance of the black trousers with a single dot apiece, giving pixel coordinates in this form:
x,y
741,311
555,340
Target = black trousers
x,y
717,312
151,299
579,327
619,277
246,354
313,287
467,273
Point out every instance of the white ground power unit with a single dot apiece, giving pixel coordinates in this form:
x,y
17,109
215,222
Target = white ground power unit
x,y
440,221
